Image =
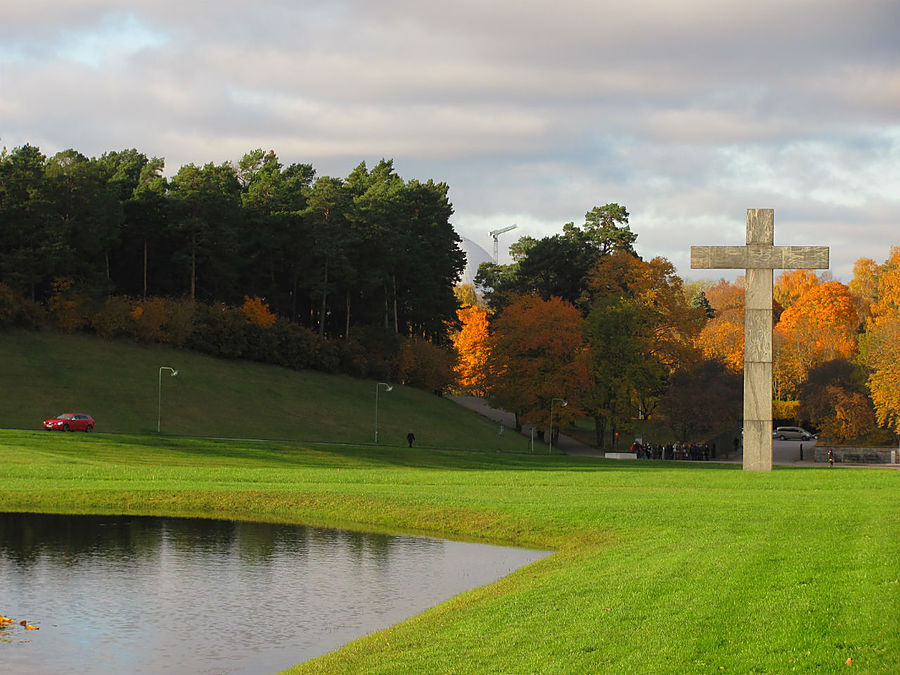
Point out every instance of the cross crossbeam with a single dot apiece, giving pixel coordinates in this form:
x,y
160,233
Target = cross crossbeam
x,y
758,258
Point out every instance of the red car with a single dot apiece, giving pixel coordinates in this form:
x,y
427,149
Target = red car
x,y
70,422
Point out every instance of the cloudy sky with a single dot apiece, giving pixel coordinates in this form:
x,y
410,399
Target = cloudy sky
x,y
533,112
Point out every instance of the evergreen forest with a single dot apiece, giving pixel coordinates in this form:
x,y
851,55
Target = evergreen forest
x,y
330,254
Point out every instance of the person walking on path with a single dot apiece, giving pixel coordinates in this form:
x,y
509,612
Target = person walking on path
x,y
410,438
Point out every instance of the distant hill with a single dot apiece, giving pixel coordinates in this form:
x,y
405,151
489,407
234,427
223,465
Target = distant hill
x,y
475,255
46,373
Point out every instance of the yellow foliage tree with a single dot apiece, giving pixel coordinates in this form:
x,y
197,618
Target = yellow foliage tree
x,y
852,416
863,286
886,304
880,346
723,340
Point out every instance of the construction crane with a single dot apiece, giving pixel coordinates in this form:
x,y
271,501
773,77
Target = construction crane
x,y
496,235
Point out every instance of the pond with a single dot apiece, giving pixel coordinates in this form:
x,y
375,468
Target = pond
x,y
123,594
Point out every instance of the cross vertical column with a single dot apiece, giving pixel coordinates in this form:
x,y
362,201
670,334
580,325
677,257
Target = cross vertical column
x,y
758,343
760,257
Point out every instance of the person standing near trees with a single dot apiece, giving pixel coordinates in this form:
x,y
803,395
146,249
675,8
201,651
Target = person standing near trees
x,y
410,437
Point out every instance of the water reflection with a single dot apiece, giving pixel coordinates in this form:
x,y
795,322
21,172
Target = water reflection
x,y
115,594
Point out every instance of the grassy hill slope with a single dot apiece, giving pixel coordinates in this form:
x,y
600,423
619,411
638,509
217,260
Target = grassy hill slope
x,y
44,374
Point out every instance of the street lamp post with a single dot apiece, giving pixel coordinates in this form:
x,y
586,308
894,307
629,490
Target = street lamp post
x,y
159,394
387,387
552,401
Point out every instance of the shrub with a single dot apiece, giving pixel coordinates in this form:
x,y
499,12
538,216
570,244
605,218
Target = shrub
x,y
220,330
16,311
425,365
70,310
115,318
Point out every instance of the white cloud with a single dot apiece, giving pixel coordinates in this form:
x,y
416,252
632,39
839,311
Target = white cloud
x,y
533,112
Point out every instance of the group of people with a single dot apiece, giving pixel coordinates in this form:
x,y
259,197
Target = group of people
x,y
694,452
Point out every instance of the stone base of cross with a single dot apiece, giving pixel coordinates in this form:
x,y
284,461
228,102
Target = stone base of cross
x,y
759,258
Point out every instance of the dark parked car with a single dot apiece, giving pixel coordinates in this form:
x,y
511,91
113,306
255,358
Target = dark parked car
x,y
70,422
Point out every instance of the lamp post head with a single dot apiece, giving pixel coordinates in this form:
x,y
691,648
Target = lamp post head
x,y
174,373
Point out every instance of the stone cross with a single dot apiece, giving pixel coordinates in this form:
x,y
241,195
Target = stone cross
x,y
759,258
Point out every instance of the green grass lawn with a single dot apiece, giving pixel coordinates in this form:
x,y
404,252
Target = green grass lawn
x,y
659,567
117,382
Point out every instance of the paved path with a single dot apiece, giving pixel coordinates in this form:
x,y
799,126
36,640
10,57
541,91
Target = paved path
x,y
564,444
784,453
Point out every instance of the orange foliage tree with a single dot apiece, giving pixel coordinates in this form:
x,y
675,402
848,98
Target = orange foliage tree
x,y
791,284
472,345
880,346
821,325
257,312
722,338
536,354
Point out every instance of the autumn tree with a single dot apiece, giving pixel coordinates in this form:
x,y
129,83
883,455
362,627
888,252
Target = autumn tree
x,y
722,338
472,345
833,398
257,312
537,354
880,346
821,325
881,353
791,284
864,286
467,295
640,329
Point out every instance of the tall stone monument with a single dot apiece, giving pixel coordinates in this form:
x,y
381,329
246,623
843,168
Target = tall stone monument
x,y
759,258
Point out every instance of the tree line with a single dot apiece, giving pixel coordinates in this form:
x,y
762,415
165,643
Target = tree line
x,y
836,346
369,252
580,317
